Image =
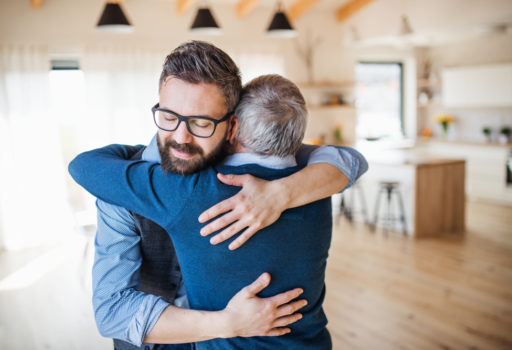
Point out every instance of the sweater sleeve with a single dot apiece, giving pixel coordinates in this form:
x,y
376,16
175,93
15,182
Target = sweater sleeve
x,y
137,185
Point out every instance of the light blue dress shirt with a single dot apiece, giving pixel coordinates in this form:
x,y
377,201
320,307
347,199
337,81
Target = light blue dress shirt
x,y
123,312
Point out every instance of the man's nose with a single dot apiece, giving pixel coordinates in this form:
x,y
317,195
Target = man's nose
x,y
182,135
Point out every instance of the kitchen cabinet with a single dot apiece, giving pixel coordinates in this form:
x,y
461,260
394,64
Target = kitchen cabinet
x,y
477,86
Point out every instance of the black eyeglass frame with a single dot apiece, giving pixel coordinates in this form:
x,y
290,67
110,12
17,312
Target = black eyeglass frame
x,y
187,118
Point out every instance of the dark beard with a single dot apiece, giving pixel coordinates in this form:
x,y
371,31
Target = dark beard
x,y
172,164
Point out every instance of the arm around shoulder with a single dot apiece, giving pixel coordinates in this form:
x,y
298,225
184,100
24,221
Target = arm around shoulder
x,y
330,169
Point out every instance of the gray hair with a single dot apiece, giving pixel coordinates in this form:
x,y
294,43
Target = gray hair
x,y
272,116
200,62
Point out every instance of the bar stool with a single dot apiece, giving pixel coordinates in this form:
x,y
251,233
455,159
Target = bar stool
x,y
347,203
390,188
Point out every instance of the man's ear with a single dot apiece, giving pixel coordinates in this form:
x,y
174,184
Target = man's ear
x,y
232,129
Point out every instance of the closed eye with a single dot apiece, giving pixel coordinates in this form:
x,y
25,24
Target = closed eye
x,y
200,123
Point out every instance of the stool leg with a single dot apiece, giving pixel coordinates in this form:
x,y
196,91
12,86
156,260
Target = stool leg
x,y
376,212
342,204
341,208
350,205
363,205
389,214
402,212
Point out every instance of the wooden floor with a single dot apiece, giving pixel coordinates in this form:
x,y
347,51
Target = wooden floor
x,y
383,292
454,292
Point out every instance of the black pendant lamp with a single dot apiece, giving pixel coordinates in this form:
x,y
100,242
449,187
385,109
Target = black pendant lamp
x,y
204,23
113,19
280,25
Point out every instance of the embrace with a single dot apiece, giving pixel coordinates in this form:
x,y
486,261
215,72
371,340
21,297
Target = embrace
x,y
185,259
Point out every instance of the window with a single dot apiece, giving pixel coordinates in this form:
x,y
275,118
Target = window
x,y
66,91
67,96
379,100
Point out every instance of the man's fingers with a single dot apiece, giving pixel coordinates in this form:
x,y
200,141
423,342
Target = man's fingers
x,y
286,320
286,297
258,285
288,309
276,332
237,243
233,180
216,210
228,233
219,223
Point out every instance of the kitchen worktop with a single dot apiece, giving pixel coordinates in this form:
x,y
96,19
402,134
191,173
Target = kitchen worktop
x,y
406,157
424,140
401,155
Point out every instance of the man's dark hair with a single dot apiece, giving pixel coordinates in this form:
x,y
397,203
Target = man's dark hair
x,y
200,62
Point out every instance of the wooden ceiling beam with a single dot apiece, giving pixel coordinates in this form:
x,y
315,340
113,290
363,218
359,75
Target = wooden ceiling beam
x,y
182,6
349,9
244,7
299,8
36,3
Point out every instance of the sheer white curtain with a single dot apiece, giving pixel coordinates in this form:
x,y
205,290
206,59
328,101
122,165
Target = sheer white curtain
x,y
121,86
33,207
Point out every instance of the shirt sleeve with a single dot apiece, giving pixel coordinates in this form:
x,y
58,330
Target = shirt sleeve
x,y
349,161
121,311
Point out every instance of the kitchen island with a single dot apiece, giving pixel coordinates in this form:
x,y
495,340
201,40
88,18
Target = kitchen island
x,y
432,189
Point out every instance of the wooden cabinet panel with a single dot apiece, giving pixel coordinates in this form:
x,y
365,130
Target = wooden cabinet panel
x,y
439,199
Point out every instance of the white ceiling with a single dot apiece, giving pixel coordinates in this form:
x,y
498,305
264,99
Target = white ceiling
x,y
322,4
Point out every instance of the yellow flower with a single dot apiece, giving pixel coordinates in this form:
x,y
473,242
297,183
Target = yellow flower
x,y
337,126
444,119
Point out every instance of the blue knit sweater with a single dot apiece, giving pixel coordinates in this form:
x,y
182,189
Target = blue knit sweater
x,y
293,250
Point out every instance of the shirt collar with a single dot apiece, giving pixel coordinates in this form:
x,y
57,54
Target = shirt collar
x,y
151,153
267,161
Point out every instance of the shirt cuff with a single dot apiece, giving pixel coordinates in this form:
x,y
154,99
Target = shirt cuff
x,y
344,161
145,319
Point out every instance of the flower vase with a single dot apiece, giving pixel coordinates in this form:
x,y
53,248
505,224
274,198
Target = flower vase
x,y
338,136
444,125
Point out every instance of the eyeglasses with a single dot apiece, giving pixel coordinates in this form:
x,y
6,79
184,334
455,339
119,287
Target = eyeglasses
x,y
197,125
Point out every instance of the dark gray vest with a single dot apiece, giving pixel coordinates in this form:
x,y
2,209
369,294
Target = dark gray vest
x,y
160,272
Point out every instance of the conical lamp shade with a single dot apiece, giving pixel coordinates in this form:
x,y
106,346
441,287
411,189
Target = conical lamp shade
x,y
204,22
280,26
113,19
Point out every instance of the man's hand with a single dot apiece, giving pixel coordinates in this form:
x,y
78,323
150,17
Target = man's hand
x,y
246,315
249,316
258,205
